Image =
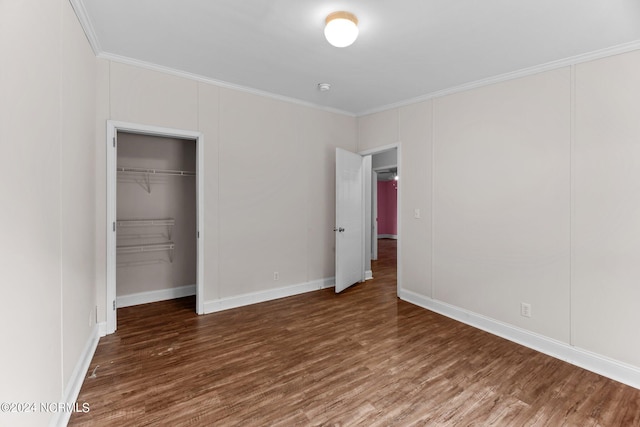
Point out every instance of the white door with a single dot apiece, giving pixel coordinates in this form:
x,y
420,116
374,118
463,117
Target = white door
x,y
349,228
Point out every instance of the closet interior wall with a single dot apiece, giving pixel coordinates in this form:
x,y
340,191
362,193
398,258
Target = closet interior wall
x,y
156,215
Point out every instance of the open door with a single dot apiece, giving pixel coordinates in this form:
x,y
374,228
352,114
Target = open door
x,y
349,219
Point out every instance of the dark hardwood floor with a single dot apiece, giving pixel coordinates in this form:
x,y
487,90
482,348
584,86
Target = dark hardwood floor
x,y
359,358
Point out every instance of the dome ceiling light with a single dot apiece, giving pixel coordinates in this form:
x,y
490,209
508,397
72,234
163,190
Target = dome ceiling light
x,y
341,28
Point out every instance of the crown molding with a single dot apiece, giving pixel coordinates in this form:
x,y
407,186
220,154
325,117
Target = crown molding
x,y
87,26
85,22
553,65
192,76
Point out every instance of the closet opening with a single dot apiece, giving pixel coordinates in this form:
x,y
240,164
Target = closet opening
x,y
155,234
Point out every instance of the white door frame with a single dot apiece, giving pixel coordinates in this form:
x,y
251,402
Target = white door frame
x,y
377,150
368,231
374,215
113,127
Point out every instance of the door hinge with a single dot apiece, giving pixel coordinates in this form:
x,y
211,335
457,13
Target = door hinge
x,y
114,142
114,304
198,234
114,226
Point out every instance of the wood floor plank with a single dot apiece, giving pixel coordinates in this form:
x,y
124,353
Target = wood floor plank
x,y
320,359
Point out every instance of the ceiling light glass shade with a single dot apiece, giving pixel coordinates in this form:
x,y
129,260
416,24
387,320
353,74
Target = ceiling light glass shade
x,y
341,29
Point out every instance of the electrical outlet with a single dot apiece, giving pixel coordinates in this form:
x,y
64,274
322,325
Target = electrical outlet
x,y
276,275
525,309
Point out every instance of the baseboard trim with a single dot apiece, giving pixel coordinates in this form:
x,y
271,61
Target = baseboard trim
x,y
610,368
368,275
262,296
155,296
329,282
388,236
102,329
72,390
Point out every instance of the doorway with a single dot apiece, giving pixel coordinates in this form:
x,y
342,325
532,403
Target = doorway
x,y
154,216
355,193
385,180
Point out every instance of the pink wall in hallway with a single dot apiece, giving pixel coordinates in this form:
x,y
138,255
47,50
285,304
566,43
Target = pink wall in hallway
x,y
387,208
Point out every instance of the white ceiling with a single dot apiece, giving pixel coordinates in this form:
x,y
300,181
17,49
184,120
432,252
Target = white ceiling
x,y
407,49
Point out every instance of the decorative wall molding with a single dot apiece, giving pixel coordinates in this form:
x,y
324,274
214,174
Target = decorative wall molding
x,y
262,296
72,390
155,296
89,30
553,65
220,83
601,365
87,26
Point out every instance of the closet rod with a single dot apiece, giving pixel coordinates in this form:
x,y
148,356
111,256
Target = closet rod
x,y
141,263
145,222
156,171
149,247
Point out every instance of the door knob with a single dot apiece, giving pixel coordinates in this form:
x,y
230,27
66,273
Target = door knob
x,y
339,230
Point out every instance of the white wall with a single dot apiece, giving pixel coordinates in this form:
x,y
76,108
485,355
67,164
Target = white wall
x,y
501,201
531,188
323,132
77,181
262,194
411,127
415,185
268,172
606,208
208,120
47,105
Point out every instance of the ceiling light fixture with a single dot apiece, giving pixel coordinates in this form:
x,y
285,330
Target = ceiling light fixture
x,y
324,87
341,28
